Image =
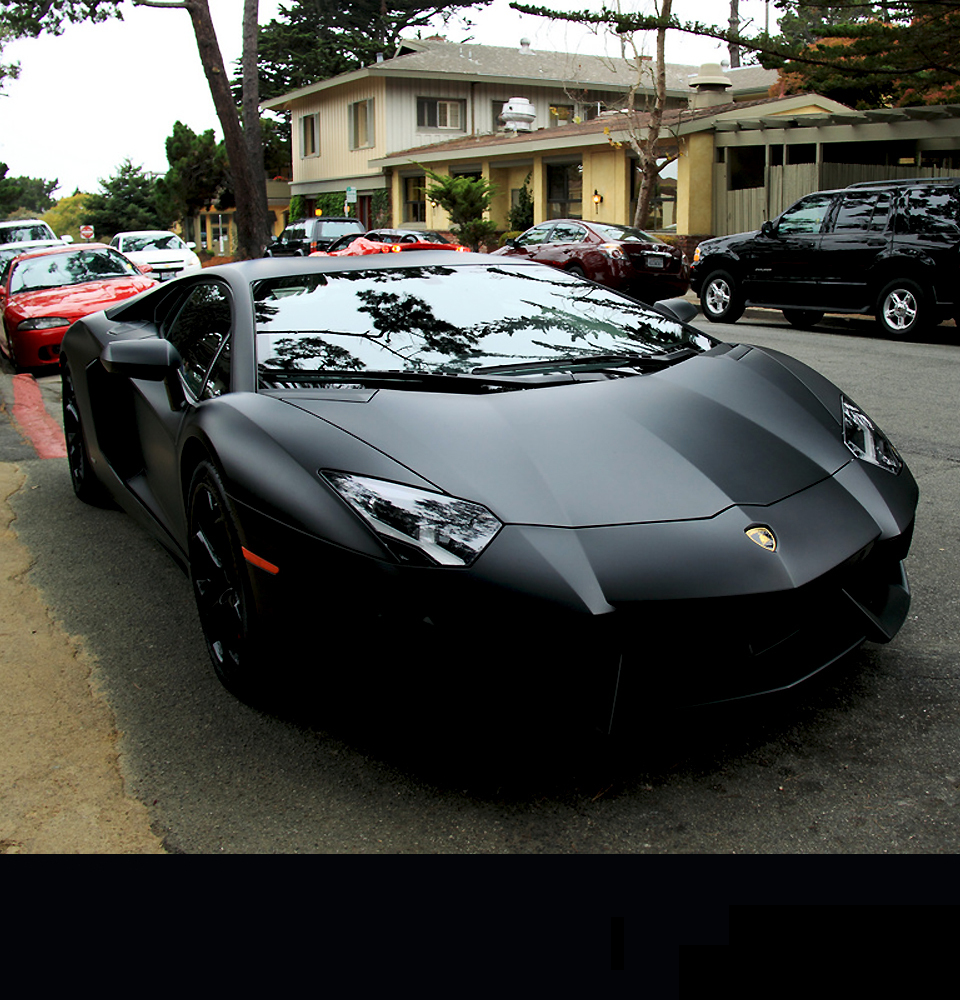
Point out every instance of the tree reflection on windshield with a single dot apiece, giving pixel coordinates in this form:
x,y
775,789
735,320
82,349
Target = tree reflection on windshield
x,y
446,319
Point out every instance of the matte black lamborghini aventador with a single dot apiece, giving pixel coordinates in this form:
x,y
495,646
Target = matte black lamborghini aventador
x,y
490,454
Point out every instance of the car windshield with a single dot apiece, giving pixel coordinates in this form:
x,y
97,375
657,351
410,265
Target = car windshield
x,y
452,320
57,269
26,233
625,234
152,241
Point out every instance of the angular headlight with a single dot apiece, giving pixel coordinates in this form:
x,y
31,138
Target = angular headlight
x,y
862,436
418,525
43,323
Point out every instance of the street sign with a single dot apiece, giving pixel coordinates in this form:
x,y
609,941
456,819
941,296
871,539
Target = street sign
x,y
351,196
86,232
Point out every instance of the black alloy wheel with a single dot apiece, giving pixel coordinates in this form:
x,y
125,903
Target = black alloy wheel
x,y
86,484
802,319
220,587
721,299
902,308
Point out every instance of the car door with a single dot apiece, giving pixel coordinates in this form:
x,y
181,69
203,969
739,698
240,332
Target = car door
x,y
563,246
857,233
529,244
780,264
199,327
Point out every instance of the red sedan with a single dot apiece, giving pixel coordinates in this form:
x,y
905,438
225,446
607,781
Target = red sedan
x,y
42,293
621,257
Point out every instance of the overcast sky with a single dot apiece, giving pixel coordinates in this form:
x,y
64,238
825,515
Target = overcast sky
x,y
100,94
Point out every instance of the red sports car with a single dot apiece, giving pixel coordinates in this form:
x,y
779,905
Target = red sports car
x,y
620,257
42,293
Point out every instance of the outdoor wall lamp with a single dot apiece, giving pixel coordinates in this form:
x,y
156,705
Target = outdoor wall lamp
x,y
597,198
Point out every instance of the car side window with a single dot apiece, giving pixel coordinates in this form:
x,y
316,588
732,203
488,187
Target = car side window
x,y
806,216
198,332
534,237
863,212
566,232
929,211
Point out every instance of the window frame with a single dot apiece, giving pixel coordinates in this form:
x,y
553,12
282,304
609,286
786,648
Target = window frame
x,y
311,122
353,122
427,104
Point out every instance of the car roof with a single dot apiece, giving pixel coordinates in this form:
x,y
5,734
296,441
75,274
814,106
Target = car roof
x,y
147,232
65,248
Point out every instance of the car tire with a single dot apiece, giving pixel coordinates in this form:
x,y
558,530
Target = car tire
x,y
86,484
721,299
902,308
225,603
802,319
577,270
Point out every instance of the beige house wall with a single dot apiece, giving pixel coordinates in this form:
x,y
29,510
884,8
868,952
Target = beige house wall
x,y
695,183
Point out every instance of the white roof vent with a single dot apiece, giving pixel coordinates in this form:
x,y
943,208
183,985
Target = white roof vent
x,y
518,115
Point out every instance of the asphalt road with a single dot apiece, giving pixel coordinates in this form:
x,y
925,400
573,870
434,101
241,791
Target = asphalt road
x,y
863,760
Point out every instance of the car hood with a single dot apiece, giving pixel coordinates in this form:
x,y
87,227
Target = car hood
x,y
689,442
78,300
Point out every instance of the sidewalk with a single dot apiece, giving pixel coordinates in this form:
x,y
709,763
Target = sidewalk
x,y
61,790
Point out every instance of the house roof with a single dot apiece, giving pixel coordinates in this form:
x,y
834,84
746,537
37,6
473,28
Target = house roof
x,y
783,111
435,59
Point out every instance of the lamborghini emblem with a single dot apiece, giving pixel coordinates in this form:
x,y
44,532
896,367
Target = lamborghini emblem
x,y
763,536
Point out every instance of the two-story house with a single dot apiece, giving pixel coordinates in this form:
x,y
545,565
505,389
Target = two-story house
x,y
346,129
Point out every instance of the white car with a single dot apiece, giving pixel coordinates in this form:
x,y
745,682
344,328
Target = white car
x,y
23,235
164,252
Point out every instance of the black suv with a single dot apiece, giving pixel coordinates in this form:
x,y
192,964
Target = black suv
x,y
305,236
888,248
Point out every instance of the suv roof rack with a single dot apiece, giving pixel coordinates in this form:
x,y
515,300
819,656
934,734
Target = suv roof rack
x,y
904,181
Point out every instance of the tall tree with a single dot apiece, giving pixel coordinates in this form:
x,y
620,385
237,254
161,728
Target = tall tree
x,y
31,193
127,200
31,17
199,173
910,44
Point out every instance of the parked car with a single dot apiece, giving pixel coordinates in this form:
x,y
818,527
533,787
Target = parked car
x,y
519,473
43,292
306,236
394,236
886,248
166,254
21,235
620,257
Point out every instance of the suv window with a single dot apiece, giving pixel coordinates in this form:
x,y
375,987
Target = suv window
x,y
863,212
806,216
928,211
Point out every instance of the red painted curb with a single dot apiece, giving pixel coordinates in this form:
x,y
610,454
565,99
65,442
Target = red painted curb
x,y
30,413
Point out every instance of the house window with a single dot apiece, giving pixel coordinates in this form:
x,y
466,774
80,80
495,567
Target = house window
x,y
561,114
361,124
565,191
310,135
436,114
415,199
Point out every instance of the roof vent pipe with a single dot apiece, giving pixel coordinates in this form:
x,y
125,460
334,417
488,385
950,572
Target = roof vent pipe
x,y
711,87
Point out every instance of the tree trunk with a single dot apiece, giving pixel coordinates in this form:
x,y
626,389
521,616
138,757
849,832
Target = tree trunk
x,y
733,49
649,171
251,118
248,188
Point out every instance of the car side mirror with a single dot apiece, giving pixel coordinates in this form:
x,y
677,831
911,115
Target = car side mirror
x,y
679,309
513,242
191,245
768,229
153,360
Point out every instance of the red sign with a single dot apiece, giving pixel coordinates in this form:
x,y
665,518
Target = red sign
x,y
86,232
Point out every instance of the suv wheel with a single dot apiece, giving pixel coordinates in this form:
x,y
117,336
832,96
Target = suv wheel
x,y
902,308
721,299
